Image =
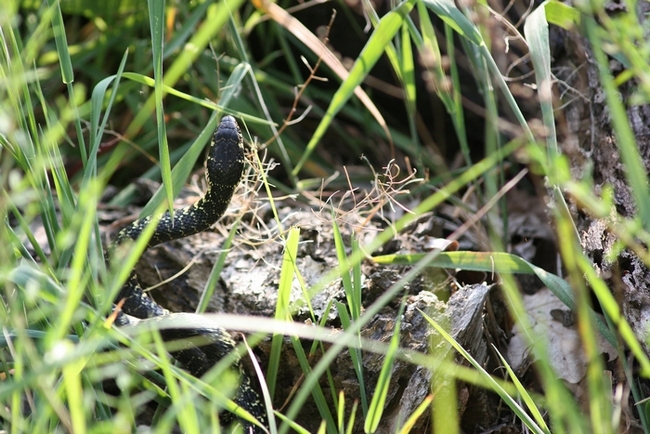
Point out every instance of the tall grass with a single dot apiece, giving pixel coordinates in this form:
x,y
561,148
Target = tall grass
x,y
78,80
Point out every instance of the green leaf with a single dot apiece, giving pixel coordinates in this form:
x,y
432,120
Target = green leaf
x,y
561,14
454,18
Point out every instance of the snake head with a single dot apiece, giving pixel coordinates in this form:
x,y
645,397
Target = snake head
x,y
225,163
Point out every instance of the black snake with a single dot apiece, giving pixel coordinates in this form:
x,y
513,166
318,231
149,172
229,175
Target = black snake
x,y
224,168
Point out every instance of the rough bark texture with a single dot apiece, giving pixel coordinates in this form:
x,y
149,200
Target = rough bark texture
x,y
590,142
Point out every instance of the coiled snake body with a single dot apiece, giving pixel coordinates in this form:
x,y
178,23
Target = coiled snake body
x,y
224,168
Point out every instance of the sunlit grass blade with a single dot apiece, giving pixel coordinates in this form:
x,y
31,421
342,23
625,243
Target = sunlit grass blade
x,y
213,278
282,312
351,312
328,57
316,392
187,417
294,426
122,265
410,422
523,393
500,262
230,89
408,72
536,31
340,411
156,25
355,355
454,18
97,129
74,391
599,400
614,313
449,95
353,413
67,71
374,48
26,232
352,289
378,402
218,14
494,386
537,36
78,235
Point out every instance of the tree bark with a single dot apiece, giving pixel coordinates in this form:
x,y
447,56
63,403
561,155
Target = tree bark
x,y
589,141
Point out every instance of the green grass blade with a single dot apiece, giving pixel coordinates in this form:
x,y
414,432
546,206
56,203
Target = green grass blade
x,y
523,393
230,89
458,113
218,14
355,356
494,386
156,23
213,279
410,422
352,286
189,25
340,412
78,235
454,18
537,36
378,401
374,48
317,391
58,29
451,98
613,310
181,171
501,263
600,407
97,104
282,312
183,168
561,14
353,413
536,31
186,416
294,426
408,72
67,71
352,292
74,392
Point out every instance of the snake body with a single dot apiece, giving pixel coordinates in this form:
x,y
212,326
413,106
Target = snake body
x,y
224,168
